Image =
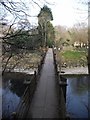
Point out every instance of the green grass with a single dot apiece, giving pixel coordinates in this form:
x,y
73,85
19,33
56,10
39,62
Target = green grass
x,y
73,57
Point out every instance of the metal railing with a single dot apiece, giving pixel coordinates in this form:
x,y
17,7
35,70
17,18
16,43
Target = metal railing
x,y
61,85
25,101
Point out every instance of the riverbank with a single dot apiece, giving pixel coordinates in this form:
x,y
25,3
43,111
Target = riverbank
x,y
27,71
74,70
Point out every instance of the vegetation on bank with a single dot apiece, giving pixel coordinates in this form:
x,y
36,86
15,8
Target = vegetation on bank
x,y
16,42
20,45
27,61
73,58
73,45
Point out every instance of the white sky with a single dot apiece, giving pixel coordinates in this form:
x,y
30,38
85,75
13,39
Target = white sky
x,y
64,12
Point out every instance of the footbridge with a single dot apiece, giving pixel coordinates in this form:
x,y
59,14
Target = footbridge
x,y
45,94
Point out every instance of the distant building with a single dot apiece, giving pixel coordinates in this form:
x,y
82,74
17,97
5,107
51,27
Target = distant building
x,y
80,44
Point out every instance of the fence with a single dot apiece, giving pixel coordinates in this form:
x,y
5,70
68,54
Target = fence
x,y
24,104
62,83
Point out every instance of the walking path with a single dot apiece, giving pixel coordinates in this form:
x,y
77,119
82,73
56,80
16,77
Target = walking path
x,y
45,100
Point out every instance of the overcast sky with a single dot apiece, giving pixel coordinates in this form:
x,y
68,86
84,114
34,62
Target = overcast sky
x,y
65,12
68,12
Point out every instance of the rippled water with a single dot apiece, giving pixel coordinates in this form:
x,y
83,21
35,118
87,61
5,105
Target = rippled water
x,y
77,96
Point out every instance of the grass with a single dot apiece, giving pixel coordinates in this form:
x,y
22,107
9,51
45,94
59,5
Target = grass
x,y
73,55
73,58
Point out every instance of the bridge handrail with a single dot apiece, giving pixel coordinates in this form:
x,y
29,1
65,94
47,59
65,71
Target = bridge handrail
x,y
28,93
25,99
62,86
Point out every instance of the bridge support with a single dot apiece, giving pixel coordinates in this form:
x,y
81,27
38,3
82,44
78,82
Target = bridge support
x,y
63,85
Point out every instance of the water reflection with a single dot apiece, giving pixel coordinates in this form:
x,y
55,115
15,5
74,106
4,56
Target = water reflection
x,y
77,96
12,90
9,102
0,102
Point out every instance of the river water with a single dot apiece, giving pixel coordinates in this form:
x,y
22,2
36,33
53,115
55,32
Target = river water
x,y
12,91
78,96
76,99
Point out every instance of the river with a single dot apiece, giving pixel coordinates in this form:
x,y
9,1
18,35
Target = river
x,y
12,90
77,96
76,99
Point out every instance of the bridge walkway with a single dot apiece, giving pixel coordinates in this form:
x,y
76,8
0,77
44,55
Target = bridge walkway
x,y
45,103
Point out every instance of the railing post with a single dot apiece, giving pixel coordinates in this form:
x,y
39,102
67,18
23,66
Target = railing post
x,y
13,116
35,77
38,69
63,85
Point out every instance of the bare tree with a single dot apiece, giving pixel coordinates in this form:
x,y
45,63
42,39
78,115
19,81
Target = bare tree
x,y
19,22
82,10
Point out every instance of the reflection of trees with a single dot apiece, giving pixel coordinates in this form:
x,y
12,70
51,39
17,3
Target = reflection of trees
x,y
17,87
78,96
79,85
86,106
14,81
